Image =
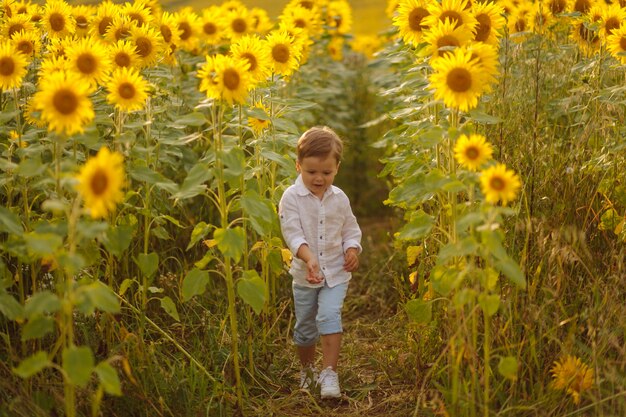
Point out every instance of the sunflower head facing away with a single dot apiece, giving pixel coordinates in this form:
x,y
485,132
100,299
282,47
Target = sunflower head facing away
x,y
572,375
100,182
499,184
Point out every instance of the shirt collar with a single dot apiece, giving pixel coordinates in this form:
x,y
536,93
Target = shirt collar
x,y
302,190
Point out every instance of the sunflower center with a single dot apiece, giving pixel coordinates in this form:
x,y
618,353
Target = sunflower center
x,y
447,40
26,47
65,101
209,28
122,59
497,183
99,182
484,28
137,18
582,6
557,6
453,16
231,79
520,25
622,43
280,53
144,46
81,22
121,33
14,28
415,19
166,33
7,66
587,35
251,59
300,23
57,22
86,63
22,10
126,90
186,28
472,153
459,80
239,25
104,24
307,4
611,24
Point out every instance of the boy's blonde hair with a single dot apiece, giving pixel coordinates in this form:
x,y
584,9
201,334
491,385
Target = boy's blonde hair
x,y
319,141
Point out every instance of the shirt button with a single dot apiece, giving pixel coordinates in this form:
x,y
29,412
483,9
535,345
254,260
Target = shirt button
x,y
321,221
321,237
320,253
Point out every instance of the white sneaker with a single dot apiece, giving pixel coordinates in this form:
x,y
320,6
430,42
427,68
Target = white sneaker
x,y
308,377
329,384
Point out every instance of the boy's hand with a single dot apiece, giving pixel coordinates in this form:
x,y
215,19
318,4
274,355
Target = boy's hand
x,y
313,276
352,260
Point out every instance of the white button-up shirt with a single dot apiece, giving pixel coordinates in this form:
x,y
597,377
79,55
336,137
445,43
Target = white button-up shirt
x,y
328,226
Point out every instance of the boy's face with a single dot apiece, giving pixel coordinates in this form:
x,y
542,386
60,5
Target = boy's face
x,y
318,173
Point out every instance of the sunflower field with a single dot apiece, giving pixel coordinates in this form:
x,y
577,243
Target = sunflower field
x,y
145,147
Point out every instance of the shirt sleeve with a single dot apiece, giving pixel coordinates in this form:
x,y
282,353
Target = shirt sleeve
x,y
351,233
290,224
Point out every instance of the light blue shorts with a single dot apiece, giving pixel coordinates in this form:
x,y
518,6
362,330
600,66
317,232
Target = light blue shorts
x,y
318,312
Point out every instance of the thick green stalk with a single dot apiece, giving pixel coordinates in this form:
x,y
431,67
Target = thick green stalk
x,y
486,367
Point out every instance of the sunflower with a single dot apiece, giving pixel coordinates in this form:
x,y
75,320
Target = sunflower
x,y
225,77
15,24
88,59
170,33
35,11
335,47
64,103
519,22
232,5
100,182
556,7
57,19
261,22
147,44
128,90
458,80
585,34
254,50
124,55
190,28
410,20
391,8
82,15
499,184
28,43
32,116
12,66
612,17
120,28
52,64
455,11
580,6
138,12
490,20
616,43
262,121
445,34
487,59
299,17
572,375
213,29
284,52
540,19
472,151
6,7
368,45
339,16
237,23
103,19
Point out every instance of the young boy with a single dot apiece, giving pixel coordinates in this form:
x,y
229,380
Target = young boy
x,y
318,226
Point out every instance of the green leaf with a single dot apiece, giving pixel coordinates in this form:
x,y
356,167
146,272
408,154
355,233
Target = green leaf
x,y
195,283
43,244
170,308
199,232
418,227
509,268
445,278
484,118
125,285
117,239
78,364
10,222
109,379
464,247
148,263
508,367
101,297
489,303
10,307
234,163
32,365
231,242
251,288
42,302
259,210
195,119
195,182
30,167
419,311
37,327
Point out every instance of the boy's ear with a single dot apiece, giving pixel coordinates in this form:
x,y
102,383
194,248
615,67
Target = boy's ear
x,y
298,168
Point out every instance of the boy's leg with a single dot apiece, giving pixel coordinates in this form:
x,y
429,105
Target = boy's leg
x,y
329,322
305,333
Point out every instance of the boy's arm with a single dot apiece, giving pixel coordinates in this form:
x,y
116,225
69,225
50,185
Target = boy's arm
x,y
351,232
290,224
